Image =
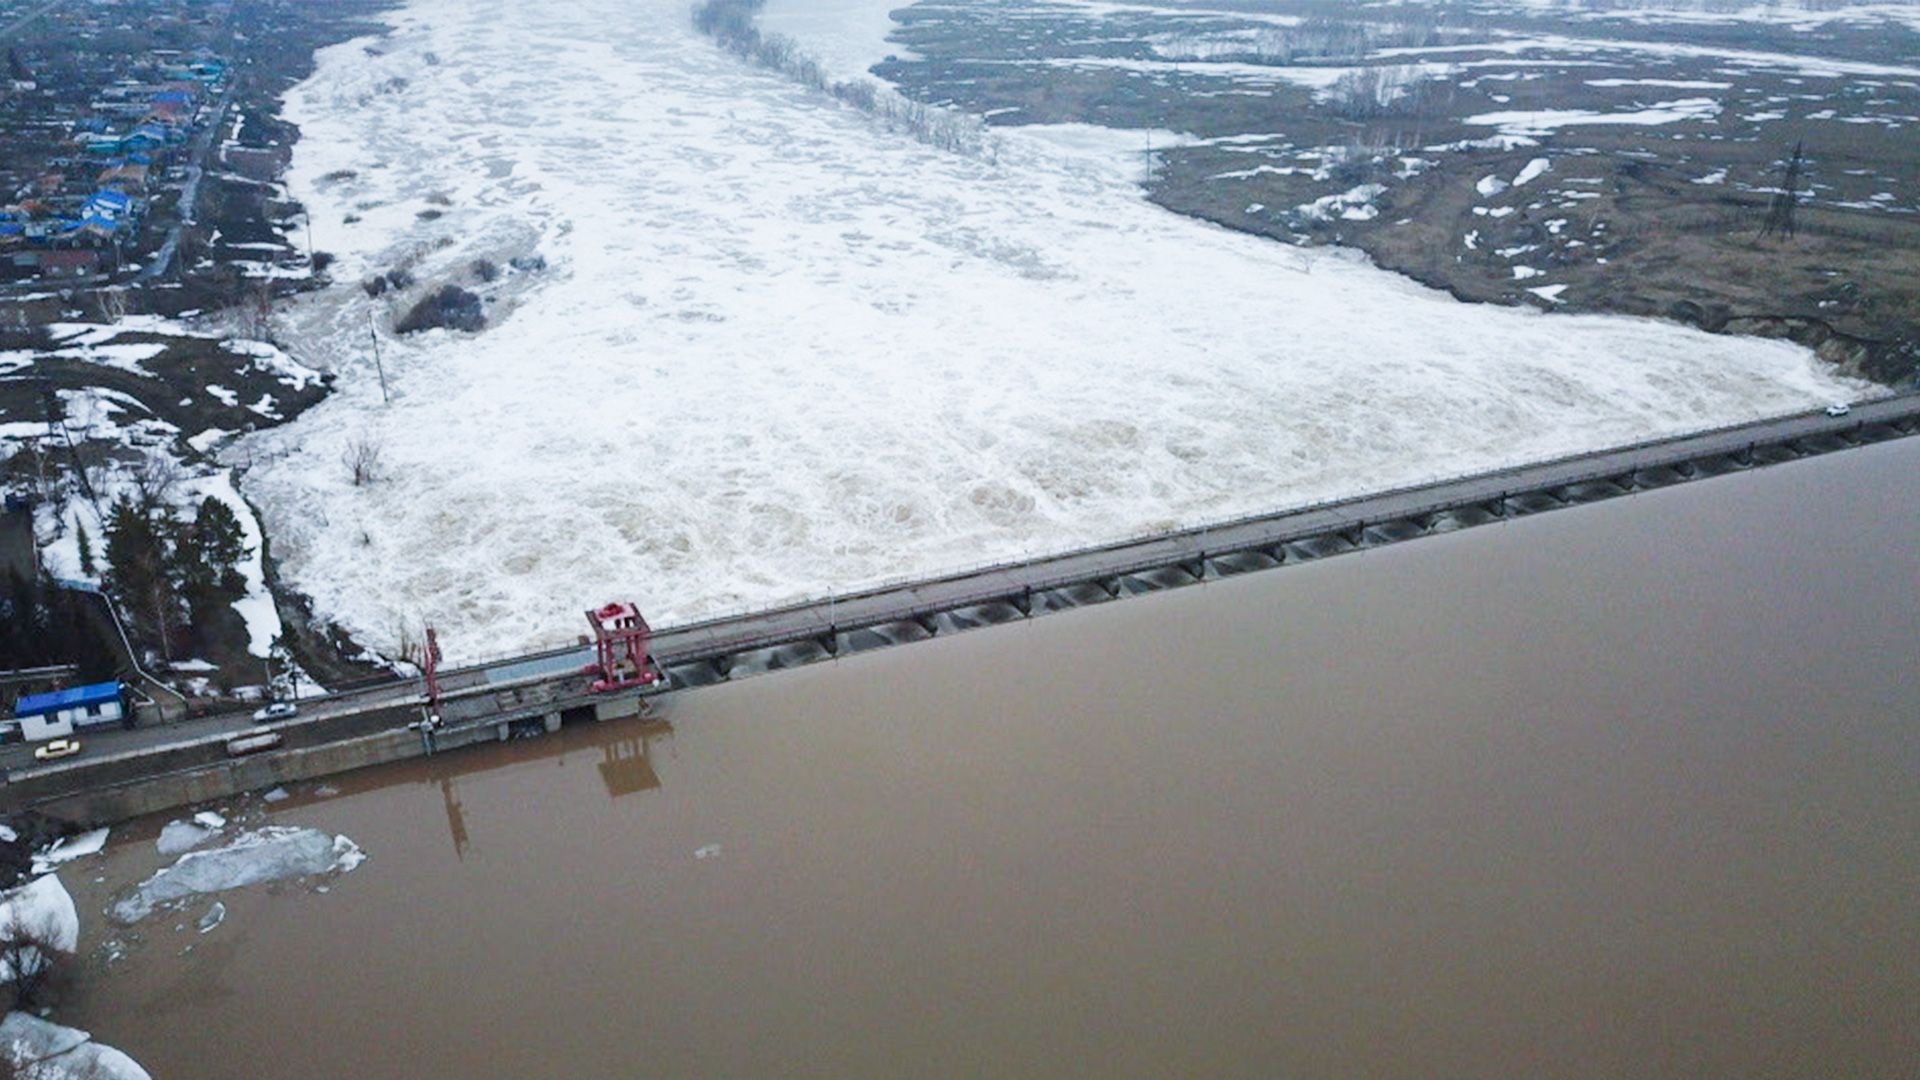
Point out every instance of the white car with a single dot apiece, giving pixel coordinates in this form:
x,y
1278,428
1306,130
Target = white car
x,y
279,710
57,749
1838,408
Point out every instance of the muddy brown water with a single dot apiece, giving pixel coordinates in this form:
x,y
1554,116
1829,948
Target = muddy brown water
x,y
1626,790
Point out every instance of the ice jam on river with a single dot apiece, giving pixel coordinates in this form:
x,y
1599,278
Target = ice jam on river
x,y
756,346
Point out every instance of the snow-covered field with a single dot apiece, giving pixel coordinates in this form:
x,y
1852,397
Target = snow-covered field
x,y
777,350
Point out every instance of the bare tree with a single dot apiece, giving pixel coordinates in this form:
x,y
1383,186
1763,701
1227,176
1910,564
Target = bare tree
x,y
112,304
29,957
154,478
256,311
406,648
362,459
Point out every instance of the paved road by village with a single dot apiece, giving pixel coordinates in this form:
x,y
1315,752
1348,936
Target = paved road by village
x,y
114,740
189,193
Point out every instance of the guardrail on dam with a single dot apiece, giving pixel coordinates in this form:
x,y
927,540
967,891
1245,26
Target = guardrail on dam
x,y
484,702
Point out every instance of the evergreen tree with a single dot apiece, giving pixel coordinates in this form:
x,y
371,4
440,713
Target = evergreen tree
x,y
140,567
221,544
85,543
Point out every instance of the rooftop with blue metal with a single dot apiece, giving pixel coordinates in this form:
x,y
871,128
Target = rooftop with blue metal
x,y
96,694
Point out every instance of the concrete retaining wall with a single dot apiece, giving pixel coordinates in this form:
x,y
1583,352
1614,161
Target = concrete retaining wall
x,y
103,806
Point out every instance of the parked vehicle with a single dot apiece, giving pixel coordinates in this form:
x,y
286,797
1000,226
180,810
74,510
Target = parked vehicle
x,y
1838,408
56,749
279,710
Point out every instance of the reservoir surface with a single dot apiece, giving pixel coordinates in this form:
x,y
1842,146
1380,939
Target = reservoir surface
x,y
1623,790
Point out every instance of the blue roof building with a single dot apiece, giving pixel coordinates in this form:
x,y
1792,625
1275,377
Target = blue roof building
x,y
55,715
105,211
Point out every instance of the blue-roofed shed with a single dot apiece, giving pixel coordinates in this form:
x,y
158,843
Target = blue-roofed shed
x,y
55,715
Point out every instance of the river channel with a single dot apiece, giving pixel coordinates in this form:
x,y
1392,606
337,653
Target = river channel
x,y
1624,790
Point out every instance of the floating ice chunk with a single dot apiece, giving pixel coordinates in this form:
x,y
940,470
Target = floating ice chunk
x,y
209,819
1523,272
273,853
1490,186
347,854
30,1046
179,836
43,908
68,848
707,851
215,915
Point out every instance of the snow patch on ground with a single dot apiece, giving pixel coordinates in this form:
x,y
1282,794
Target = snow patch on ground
x,y
1542,121
271,853
256,607
44,908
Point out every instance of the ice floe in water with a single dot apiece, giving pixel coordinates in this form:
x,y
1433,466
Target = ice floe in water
x,y
43,1050
272,853
216,914
178,836
68,848
777,350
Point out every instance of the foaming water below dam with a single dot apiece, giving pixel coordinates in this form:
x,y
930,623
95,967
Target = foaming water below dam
x,y
775,350
1624,789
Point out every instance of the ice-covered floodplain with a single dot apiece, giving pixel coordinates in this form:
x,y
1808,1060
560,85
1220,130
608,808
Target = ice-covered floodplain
x,y
778,351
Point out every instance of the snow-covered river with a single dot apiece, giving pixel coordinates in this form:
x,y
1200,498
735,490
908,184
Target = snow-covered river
x,y
777,350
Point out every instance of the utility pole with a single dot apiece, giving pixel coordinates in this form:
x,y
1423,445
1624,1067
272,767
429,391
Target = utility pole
x,y
374,336
1780,211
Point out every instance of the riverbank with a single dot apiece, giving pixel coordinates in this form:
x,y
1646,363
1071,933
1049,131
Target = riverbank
x,y
136,387
1568,160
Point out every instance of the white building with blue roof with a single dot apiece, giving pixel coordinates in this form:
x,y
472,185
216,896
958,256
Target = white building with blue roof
x,y
56,715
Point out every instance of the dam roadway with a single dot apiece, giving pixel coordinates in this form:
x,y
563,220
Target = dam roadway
x,y
159,767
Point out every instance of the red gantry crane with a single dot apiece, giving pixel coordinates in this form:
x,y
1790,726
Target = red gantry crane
x,y
621,638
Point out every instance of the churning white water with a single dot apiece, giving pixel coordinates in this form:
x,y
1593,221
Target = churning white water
x,y
777,350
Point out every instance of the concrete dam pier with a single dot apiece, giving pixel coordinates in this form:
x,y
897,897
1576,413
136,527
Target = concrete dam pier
x,y
540,691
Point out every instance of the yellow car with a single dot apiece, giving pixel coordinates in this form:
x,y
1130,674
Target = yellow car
x,y
57,749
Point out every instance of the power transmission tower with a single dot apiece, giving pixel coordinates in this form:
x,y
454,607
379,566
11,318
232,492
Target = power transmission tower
x,y
1780,211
